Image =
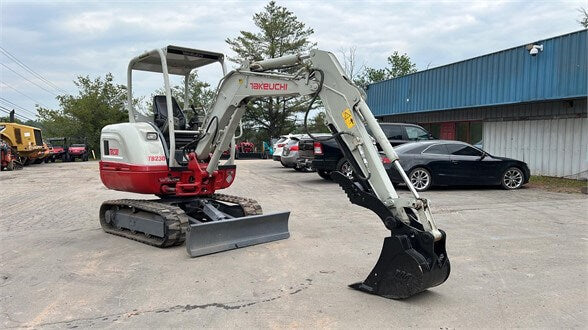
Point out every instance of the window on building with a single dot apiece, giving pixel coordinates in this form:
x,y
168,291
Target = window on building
x,y
466,131
476,133
462,131
434,129
463,150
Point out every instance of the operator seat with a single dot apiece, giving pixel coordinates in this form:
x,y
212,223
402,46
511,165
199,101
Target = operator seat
x,y
160,119
160,113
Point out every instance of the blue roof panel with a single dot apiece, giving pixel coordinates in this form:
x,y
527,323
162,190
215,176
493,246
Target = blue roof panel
x,y
510,76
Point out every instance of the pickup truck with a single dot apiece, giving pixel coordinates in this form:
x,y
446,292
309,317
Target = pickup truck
x,y
328,157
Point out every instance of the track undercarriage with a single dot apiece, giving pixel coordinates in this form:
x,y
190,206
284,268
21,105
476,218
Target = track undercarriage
x,y
209,224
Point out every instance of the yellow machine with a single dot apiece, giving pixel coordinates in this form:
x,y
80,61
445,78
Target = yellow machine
x,y
27,140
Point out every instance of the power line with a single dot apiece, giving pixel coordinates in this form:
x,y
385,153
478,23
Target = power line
x,y
25,95
33,72
6,110
16,105
32,82
22,117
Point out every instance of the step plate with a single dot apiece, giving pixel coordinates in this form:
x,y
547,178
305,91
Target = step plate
x,y
216,236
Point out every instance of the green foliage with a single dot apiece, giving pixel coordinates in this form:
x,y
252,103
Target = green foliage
x,y
33,123
318,124
201,95
279,33
100,102
398,66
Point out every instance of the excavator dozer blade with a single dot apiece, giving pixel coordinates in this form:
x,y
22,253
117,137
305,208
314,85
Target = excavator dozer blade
x,y
216,236
407,266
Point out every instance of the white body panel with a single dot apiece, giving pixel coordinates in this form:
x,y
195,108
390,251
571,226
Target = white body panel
x,y
127,143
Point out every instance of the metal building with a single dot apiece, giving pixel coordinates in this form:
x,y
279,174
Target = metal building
x,y
526,102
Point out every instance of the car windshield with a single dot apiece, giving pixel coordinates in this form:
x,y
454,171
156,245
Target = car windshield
x,y
78,145
416,133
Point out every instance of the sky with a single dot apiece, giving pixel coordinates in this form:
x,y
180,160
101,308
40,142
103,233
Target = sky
x,y
60,40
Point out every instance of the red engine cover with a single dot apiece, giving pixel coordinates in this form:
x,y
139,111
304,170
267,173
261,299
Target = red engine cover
x,y
160,180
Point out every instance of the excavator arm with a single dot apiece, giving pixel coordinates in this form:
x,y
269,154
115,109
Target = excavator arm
x,y
414,257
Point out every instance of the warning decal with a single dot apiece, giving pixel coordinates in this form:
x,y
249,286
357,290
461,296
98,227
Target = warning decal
x,y
348,117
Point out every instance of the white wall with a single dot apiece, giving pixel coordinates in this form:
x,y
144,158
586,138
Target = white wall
x,y
553,147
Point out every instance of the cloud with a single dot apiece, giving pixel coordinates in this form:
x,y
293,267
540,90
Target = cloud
x,y
62,40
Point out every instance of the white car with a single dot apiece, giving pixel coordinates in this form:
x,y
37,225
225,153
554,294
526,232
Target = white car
x,y
279,147
282,142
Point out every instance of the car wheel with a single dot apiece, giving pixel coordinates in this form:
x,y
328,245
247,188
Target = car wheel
x,y
420,179
512,178
344,166
325,174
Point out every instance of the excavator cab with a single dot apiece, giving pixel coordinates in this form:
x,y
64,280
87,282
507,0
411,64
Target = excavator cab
x,y
168,116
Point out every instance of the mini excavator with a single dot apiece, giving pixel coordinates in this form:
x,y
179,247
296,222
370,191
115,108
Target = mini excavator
x,y
178,160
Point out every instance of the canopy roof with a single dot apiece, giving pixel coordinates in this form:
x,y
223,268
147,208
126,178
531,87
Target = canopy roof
x,y
180,60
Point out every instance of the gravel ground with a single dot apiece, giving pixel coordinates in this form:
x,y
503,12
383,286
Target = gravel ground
x,y
518,260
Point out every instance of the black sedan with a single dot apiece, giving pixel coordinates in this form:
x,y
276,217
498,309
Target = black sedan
x,y
449,163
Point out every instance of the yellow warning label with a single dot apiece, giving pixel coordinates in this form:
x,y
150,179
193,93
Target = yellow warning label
x,y
348,117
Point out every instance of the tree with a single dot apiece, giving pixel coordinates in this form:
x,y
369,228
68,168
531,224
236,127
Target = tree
x,y
280,33
398,66
6,119
100,102
201,95
351,64
584,19
318,124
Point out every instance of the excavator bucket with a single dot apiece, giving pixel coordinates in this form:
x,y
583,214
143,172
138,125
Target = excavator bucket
x,y
407,266
215,236
411,260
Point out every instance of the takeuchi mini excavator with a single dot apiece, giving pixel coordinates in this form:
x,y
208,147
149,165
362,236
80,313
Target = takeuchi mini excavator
x,y
178,160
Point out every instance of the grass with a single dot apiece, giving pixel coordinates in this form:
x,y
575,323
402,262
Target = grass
x,y
557,184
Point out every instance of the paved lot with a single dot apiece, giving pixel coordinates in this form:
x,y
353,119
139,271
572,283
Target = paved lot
x,y
518,260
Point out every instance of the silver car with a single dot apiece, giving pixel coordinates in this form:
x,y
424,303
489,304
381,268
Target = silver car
x,y
290,153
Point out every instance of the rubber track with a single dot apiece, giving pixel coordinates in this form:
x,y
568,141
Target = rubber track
x,y
176,220
249,206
